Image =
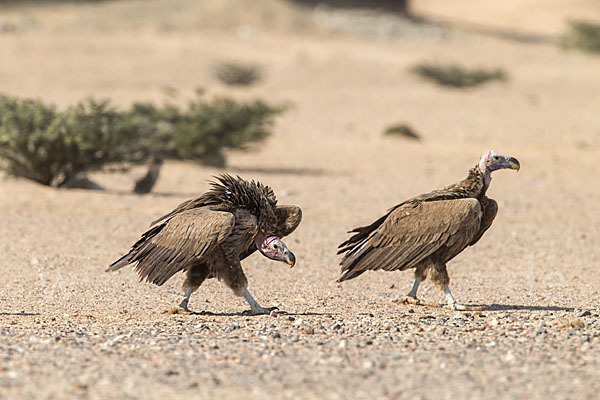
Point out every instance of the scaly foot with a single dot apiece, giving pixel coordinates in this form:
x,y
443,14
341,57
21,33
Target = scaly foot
x,y
409,300
258,310
179,310
463,307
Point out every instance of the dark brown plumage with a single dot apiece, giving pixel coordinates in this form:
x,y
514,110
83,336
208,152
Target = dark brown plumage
x,y
210,235
427,231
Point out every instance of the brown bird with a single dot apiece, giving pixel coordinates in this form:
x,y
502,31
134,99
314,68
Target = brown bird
x,y
210,235
427,231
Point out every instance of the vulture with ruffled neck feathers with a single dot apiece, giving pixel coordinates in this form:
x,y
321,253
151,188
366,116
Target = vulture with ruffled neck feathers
x,y
210,235
427,231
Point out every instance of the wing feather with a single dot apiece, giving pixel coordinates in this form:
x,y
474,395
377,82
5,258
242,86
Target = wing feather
x,y
169,247
412,232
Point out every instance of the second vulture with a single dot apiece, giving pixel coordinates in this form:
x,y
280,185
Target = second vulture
x,y
210,235
427,231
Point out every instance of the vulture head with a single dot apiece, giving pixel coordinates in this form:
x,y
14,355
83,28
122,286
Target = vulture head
x,y
272,247
492,161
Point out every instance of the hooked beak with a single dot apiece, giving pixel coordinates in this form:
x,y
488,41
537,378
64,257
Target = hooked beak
x,y
272,247
513,163
289,258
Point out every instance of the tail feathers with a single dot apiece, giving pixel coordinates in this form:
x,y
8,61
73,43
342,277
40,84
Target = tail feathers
x,y
120,263
132,255
349,274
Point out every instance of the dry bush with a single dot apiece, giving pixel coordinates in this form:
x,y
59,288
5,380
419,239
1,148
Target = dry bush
x,y
39,143
403,130
53,147
237,73
457,76
584,36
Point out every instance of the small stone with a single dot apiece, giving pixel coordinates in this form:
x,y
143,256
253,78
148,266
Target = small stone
x,y
585,339
586,313
309,330
541,331
575,323
411,311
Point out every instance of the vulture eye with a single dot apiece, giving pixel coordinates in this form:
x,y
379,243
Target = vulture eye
x,y
496,157
275,246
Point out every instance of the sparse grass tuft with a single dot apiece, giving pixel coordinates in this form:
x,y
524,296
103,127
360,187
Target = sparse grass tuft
x,y
583,35
237,74
457,76
403,130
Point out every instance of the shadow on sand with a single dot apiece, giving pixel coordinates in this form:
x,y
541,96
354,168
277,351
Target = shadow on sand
x,y
517,307
20,314
246,313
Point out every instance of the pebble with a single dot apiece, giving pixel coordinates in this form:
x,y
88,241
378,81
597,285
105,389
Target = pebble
x,y
586,313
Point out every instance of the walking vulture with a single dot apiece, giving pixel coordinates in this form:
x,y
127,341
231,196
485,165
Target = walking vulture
x,y
427,231
210,235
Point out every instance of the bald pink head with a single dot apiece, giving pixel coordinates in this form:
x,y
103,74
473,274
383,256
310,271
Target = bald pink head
x,y
492,161
272,247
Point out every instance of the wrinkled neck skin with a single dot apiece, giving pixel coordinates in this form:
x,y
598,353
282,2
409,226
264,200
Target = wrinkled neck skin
x,y
262,239
487,174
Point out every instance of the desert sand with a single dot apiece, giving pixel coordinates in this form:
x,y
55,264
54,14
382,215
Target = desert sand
x,y
71,330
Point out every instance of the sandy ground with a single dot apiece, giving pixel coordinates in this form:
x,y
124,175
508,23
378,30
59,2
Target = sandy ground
x,y
71,330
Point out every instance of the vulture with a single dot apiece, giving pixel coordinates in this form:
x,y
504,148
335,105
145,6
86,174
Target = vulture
x,y
427,231
209,237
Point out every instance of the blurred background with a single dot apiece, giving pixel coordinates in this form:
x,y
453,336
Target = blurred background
x,y
344,108
311,73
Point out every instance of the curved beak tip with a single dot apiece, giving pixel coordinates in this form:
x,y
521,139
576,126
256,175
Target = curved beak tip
x,y
290,259
513,163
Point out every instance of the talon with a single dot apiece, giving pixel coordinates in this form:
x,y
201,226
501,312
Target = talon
x,y
260,311
462,307
410,300
179,310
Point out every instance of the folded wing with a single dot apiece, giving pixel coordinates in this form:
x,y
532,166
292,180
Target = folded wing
x,y
169,247
410,233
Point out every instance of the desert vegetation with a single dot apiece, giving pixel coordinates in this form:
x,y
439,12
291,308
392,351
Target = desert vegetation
x,y
583,35
401,129
236,73
51,147
458,76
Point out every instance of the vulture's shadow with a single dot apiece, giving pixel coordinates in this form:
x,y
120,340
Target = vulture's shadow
x,y
518,307
245,314
20,314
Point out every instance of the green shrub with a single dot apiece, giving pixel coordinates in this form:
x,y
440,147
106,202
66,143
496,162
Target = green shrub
x,y
583,35
403,130
237,73
208,127
38,142
50,147
454,75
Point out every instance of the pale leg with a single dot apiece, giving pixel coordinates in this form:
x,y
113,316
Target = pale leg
x,y
186,298
255,308
413,291
411,297
451,302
